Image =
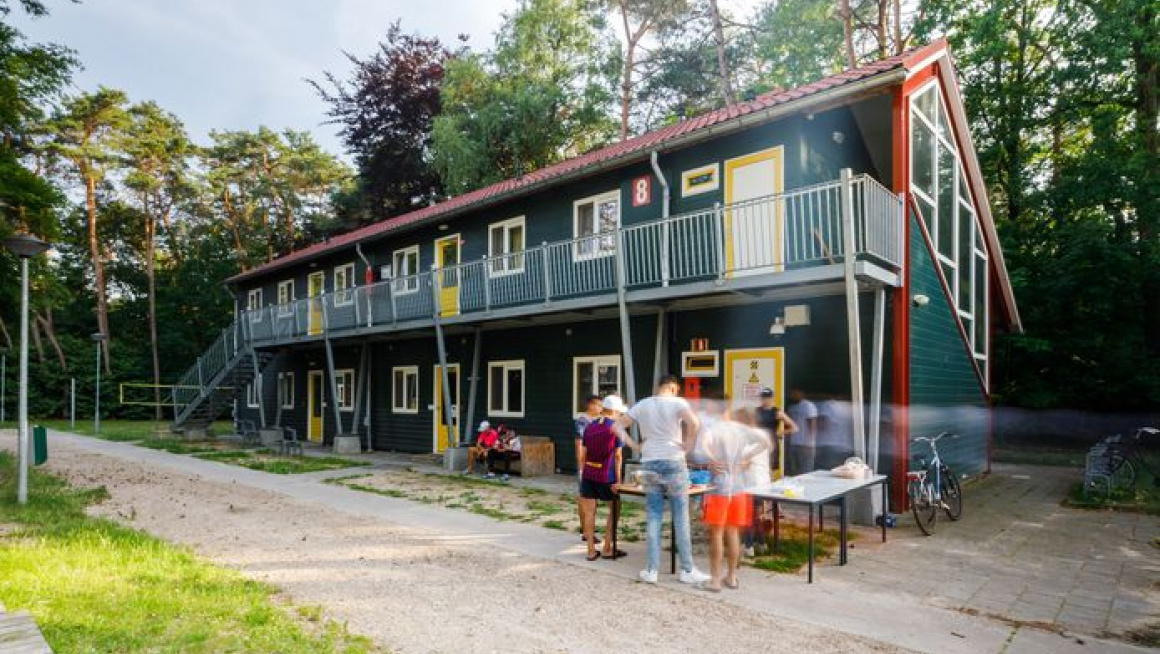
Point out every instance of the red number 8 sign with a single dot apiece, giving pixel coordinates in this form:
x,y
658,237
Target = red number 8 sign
x,y
642,191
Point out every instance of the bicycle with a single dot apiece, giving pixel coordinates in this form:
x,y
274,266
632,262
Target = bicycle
x,y
1126,458
933,486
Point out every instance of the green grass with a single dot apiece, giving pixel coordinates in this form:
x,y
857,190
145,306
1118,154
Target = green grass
x,y
793,549
554,524
96,587
1143,497
265,461
174,446
123,430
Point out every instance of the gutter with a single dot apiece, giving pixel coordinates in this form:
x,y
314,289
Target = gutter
x,y
886,78
664,215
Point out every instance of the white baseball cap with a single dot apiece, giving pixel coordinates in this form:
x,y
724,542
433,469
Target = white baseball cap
x,y
613,403
484,425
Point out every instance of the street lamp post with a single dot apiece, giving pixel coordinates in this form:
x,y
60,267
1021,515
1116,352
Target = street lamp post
x,y
3,383
98,338
25,247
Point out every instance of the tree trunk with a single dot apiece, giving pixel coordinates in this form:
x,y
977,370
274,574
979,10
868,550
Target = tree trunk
x,y
98,264
883,46
1146,98
722,64
151,278
847,17
899,46
5,334
34,329
45,321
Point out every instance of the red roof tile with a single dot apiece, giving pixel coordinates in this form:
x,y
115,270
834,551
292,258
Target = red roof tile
x,y
640,144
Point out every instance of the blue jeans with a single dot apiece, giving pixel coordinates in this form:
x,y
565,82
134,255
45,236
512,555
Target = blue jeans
x,y
671,478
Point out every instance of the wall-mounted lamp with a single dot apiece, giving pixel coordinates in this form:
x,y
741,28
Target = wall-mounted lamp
x,y
920,300
838,137
443,227
778,327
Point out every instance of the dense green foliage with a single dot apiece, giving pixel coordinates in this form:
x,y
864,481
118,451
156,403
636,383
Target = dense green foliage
x,y
1061,94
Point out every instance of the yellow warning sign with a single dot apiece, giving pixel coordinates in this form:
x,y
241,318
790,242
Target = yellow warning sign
x,y
753,379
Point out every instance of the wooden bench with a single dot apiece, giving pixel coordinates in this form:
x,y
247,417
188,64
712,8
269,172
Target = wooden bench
x,y
537,457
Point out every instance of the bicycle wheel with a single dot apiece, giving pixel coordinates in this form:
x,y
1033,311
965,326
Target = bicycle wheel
x,y
952,494
1123,472
922,506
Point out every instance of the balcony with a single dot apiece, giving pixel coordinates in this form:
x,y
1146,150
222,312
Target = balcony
x,y
786,239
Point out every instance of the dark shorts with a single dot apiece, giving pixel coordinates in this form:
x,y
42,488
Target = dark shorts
x,y
595,490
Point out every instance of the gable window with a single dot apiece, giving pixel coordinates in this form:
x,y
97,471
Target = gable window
x,y
595,220
405,389
343,282
254,304
939,186
286,390
285,297
344,388
405,265
505,389
505,245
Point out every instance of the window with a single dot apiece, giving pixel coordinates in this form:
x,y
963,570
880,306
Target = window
x,y
596,220
505,389
285,297
406,266
343,282
405,389
254,304
594,376
939,185
252,396
505,243
344,388
286,390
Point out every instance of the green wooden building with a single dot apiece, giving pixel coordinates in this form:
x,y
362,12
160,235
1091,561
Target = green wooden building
x,y
834,238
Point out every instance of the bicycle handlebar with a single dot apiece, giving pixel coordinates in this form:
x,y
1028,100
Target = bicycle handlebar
x,y
934,439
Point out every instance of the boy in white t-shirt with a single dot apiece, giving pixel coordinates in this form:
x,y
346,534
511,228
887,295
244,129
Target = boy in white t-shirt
x,y
668,429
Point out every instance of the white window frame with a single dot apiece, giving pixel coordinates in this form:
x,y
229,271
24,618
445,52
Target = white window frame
x,y
286,297
286,390
399,272
599,250
254,304
344,389
343,294
252,395
506,366
503,263
596,361
407,372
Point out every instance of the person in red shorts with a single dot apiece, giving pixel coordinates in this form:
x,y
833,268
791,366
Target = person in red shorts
x,y
487,441
730,449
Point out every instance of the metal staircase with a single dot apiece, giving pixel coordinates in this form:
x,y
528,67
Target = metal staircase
x,y
220,376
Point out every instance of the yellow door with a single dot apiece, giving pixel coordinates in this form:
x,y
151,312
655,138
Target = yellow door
x,y
754,229
315,405
315,284
447,256
443,436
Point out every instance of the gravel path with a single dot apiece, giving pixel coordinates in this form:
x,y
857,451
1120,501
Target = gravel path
x,y
414,590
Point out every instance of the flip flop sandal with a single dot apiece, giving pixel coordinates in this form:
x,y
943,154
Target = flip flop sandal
x,y
708,589
593,557
615,555
732,586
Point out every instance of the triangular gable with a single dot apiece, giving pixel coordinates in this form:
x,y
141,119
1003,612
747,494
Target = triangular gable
x,y
938,55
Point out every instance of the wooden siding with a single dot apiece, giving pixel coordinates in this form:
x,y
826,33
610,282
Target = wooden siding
x,y
945,394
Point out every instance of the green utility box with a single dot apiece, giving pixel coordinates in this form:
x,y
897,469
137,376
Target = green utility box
x,y
39,445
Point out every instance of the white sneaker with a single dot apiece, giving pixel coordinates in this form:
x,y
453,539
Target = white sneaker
x,y
694,576
749,553
649,576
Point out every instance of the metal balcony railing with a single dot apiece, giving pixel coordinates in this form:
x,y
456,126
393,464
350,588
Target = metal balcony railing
x,y
786,231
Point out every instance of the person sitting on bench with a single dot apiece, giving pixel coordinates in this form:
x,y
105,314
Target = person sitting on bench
x,y
507,450
485,442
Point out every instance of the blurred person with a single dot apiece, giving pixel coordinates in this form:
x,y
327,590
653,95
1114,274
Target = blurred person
x,y
485,441
508,449
668,428
601,460
734,447
756,473
777,424
803,446
580,422
835,432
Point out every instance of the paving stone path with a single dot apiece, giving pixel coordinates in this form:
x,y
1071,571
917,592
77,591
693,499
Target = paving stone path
x,y
1019,554
19,634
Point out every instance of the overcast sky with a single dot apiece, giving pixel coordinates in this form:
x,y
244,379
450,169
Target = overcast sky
x,y
237,64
